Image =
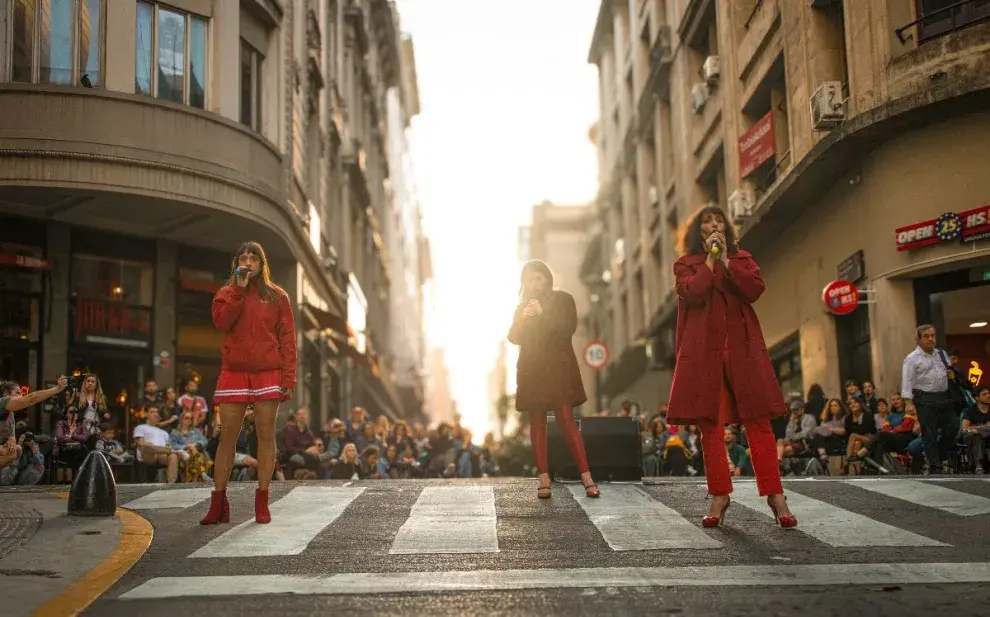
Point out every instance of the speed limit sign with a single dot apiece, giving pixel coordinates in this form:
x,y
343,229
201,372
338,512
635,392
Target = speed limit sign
x,y
596,355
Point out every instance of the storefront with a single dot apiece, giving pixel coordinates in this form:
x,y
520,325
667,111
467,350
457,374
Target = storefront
x,y
111,314
956,301
201,273
24,282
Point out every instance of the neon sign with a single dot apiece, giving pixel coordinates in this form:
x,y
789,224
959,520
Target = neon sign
x,y
975,373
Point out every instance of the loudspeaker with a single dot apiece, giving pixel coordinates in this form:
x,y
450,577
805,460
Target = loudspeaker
x,y
612,446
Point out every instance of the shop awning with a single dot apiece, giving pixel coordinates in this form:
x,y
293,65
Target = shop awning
x,y
326,320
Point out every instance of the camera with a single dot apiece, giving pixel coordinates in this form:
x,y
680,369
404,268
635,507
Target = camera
x,y
28,437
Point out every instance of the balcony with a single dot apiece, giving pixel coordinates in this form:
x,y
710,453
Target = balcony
x,y
946,20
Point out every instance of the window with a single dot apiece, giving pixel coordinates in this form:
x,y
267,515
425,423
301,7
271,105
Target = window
x,y
170,55
786,360
853,337
99,278
57,42
251,65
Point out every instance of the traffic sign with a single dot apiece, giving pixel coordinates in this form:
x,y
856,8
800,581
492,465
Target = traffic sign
x,y
596,355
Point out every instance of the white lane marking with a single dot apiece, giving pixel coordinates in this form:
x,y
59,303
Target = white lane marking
x,y
450,519
163,499
297,518
839,574
836,526
931,495
631,520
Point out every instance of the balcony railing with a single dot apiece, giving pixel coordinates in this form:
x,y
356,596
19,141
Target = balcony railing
x,y
946,20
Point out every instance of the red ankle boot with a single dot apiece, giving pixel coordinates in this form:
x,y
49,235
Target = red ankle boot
x,y
261,513
219,509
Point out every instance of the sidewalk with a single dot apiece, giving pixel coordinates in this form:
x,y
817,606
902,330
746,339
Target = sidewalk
x,y
52,564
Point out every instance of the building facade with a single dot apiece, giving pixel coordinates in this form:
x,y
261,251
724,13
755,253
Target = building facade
x,y
843,137
142,143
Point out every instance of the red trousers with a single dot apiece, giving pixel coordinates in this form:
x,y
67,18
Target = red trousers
x,y
762,450
568,428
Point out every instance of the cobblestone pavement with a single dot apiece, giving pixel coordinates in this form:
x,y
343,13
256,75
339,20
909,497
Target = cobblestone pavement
x,y
18,524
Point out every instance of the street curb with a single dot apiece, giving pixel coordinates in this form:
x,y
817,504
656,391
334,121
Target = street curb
x,y
135,538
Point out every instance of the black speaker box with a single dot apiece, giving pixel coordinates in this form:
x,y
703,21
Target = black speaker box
x,y
612,446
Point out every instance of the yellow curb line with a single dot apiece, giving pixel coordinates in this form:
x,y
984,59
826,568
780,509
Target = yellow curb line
x,y
135,538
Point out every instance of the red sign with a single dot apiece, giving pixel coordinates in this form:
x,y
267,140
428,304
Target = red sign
x,y
24,261
99,321
757,145
976,224
840,297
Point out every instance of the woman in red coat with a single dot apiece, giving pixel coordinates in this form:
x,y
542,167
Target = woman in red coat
x,y
258,368
723,373
547,374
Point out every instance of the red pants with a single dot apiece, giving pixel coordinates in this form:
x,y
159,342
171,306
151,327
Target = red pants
x,y
568,428
762,449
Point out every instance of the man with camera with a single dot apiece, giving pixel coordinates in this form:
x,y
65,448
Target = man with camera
x,y
12,447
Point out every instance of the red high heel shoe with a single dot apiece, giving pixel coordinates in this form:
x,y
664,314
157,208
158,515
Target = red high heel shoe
x,y
714,521
591,490
786,522
261,513
219,509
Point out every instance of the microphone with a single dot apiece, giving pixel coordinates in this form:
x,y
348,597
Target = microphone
x,y
715,248
241,270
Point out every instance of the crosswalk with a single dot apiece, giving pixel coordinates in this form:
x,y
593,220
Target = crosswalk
x,y
465,520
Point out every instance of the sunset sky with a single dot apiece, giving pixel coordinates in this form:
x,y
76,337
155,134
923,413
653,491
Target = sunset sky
x,y
507,99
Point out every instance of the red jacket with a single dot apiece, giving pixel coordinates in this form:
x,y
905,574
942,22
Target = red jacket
x,y
715,316
261,336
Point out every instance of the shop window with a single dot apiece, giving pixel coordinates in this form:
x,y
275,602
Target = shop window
x,y
853,337
786,360
99,278
58,42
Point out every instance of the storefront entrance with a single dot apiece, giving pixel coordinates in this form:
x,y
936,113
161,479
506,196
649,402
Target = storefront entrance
x,y
958,305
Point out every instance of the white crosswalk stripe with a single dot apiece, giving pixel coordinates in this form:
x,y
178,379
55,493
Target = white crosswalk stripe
x,y
836,526
297,518
450,519
930,495
169,499
631,520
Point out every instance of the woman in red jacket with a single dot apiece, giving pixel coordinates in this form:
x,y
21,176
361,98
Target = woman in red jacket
x,y
547,373
723,372
258,368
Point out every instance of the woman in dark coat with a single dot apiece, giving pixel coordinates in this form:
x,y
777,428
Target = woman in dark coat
x,y
723,372
547,374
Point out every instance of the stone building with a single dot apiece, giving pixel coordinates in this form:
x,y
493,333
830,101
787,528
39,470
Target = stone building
x,y
141,143
845,138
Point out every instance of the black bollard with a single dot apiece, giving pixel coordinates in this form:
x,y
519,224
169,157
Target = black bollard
x,y
94,491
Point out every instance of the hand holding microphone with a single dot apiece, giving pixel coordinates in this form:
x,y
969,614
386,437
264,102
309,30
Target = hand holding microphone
x,y
242,274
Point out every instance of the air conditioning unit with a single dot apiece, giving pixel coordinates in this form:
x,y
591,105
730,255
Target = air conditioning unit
x,y
828,107
711,70
699,96
741,202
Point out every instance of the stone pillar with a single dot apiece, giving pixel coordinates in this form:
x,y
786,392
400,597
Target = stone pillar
x,y
55,348
4,26
892,326
120,18
226,45
164,329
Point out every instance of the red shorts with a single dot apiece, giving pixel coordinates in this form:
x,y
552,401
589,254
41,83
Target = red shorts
x,y
243,387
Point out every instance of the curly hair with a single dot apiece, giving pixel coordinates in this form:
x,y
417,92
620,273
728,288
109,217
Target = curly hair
x,y
690,242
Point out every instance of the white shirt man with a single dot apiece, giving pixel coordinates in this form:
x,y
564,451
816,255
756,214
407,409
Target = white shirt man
x,y
152,445
925,385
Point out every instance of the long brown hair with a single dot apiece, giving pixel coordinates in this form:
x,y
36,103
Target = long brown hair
x,y
268,290
537,266
690,242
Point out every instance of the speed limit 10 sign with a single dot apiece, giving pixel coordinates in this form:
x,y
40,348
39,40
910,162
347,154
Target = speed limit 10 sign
x,y
596,355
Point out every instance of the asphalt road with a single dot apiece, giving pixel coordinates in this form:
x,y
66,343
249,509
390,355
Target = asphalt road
x,y
887,547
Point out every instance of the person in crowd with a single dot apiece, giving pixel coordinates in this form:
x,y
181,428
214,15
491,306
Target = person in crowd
x,y
861,430
189,443
89,403
799,432
152,445
17,459
976,428
258,367
547,373
168,411
192,401
723,373
925,385
112,449
346,468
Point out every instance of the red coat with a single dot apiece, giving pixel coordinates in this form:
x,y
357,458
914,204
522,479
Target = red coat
x,y
261,336
547,373
714,315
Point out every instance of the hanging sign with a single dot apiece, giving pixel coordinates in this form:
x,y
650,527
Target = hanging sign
x,y
840,297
